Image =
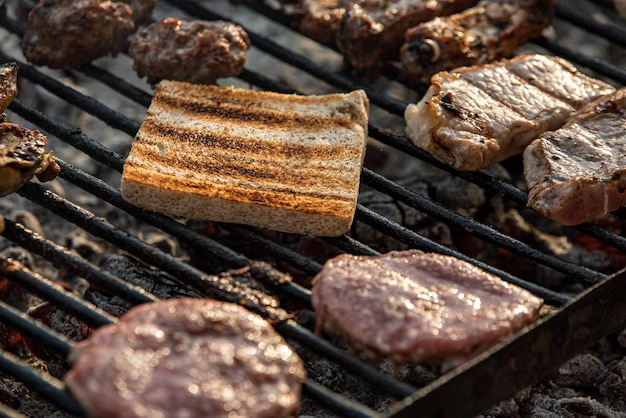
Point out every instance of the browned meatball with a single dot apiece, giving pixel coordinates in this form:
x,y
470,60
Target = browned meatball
x,y
70,33
142,10
192,51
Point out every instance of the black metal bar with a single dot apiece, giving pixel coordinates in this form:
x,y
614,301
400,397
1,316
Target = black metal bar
x,y
348,409
614,34
47,387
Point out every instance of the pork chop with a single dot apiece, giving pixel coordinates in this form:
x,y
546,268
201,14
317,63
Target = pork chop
x,y
187,357
476,116
577,173
418,307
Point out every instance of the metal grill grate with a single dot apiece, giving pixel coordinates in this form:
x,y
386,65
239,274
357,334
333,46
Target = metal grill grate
x,y
432,397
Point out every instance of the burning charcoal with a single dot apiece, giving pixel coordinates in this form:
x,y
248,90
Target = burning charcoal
x,y
85,246
29,220
162,242
587,407
581,371
611,384
8,398
9,338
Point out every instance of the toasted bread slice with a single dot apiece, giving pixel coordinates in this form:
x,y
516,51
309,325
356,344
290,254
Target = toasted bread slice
x,y
284,162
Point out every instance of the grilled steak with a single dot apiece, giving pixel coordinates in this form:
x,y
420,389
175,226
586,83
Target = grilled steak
x,y
22,156
368,32
489,31
193,51
418,307
476,116
578,173
71,33
187,358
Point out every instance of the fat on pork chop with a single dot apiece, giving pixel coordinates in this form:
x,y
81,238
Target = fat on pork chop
x,y
474,117
187,357
577,173
420,307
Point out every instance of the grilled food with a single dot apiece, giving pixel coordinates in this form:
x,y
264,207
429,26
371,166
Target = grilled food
x,y
277,161
577,173
369,33
418,307
65,34
476,116
187,358
193,51
489,31
22,156
8,84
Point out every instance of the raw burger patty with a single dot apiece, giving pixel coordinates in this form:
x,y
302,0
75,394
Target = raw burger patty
x,y
187,357
418,307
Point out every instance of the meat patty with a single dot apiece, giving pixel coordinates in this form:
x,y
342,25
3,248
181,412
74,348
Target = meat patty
x,y
187,357
193,51
476,116
142,10
65,34
22,156
418,307
577,173
489,31
369,33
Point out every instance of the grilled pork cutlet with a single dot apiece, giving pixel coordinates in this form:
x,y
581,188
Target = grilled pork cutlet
x,y
419,307
577,173
278,161
369,33
476,116
489,31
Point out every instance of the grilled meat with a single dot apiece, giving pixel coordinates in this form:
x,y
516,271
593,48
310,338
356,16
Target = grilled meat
x,y
142,10
368,32
577,173
187,358
8,84
192,51
22,156
71,33
418,307
489,31
476,116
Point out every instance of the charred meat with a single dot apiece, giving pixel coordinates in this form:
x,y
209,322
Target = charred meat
x,y
8,84
22,156
369,33
193,51
65,34
489,31
418,307
187,358
577,173
476,116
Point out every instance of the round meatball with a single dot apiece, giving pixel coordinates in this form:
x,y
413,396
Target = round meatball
x,y
69,34
193,51
187,357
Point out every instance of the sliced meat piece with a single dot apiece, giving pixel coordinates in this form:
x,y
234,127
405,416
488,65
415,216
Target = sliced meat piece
x,y
187,358
481,34
8,84
65,34
418,307
577,173
193,51
476,116
22,156
368,32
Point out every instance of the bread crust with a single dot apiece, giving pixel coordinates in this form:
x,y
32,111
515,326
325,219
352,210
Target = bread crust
x,y
276,161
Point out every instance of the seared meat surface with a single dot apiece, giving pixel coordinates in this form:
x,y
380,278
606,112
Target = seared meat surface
x,y
71,33
187,357
368,32
418,307
142,10
192,51
577,173
489,31
8,84
476,116
22,156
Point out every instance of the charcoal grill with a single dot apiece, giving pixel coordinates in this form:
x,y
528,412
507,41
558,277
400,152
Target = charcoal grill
x,y
576,321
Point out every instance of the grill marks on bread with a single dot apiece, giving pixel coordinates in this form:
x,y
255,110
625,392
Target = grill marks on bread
x,y
476,116
236,155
